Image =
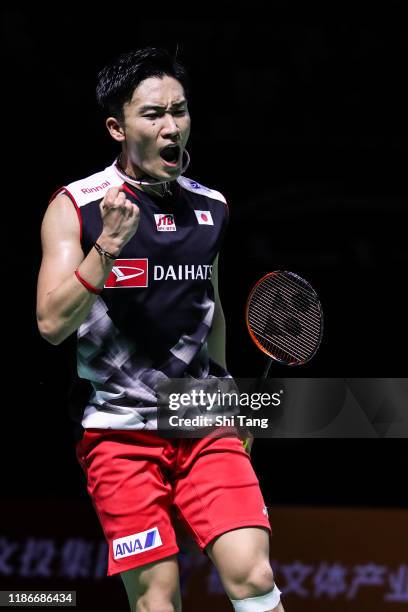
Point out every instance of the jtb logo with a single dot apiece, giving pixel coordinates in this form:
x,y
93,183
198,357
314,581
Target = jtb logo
x,y
165,222
136,543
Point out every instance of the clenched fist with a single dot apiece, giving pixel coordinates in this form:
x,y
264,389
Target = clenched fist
x,y
120,217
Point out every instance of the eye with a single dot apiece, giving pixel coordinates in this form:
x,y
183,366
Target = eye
x,y
152,116
180,112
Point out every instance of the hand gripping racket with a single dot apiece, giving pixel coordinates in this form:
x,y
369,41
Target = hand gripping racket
x,y
284,319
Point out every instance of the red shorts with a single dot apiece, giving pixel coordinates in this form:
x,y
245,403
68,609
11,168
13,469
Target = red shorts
x,y
136,478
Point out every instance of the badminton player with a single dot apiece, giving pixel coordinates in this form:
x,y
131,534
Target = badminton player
x,y
130,265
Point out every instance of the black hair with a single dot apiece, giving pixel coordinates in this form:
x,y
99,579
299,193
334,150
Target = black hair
x,y
118,80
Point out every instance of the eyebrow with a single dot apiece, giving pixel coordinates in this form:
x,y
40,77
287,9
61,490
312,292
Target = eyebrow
x,y
147,107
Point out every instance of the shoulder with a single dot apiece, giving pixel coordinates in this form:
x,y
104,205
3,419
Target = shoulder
x,y
92,187
194,187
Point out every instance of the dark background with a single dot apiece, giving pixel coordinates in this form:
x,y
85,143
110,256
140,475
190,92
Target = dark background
x,y
300,120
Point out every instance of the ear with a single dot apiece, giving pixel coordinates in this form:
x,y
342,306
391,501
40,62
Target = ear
x,y
115,129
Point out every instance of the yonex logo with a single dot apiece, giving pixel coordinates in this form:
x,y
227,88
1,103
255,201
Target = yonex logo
x,y
128,273
136,543
165,222
196,185
281,324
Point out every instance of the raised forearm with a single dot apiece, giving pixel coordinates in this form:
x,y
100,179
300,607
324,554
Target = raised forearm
x,y
66,307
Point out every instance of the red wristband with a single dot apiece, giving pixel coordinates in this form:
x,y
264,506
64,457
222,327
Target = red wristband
x,y
86,284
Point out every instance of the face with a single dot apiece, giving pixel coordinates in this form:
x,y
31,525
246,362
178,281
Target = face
x,y
156,127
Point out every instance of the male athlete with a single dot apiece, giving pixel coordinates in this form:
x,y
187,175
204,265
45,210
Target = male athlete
x,y
130,264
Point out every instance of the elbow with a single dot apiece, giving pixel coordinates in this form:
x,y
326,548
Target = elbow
x,y
49,332
53,340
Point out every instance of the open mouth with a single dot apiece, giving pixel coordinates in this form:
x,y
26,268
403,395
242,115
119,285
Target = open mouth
x,y
170,154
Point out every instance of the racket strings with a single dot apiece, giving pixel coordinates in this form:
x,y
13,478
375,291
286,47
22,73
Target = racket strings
x,y
263,306
279,352
292,347
274,327
303,299
292,350
284,316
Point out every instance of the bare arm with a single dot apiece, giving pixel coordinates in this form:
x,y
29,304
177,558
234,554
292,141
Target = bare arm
x,y
63,303
217,336
217,340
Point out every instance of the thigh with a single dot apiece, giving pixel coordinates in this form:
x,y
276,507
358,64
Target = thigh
x,y
219,491
241,557
236,552
160,580
131,498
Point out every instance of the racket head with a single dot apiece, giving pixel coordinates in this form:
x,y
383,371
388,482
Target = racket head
x,y
284,317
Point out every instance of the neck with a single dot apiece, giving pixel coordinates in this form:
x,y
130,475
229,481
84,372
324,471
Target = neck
x,y
129,170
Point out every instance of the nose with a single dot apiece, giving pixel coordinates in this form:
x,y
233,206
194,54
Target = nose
x,y
170,129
